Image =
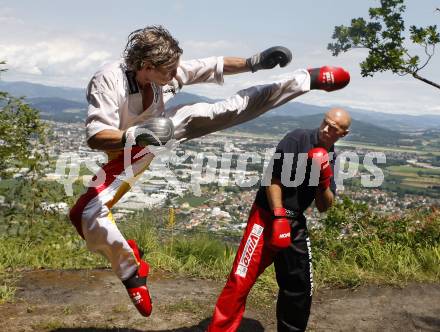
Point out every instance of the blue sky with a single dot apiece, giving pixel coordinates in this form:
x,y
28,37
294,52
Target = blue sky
x,y
63,42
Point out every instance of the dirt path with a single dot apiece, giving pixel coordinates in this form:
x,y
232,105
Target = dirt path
x,y
96,301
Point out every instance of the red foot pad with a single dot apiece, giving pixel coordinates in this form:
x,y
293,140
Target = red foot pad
x,y
137,284
328,78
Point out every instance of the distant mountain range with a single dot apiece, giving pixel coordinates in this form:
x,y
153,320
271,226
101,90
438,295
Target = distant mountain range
x,y
58,109
360,131
69,105
33,90
400,122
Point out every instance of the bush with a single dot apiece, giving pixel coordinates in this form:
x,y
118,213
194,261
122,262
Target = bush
x,y
357,246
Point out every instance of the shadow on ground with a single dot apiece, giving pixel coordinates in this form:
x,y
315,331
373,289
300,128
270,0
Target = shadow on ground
x,y
427,323
247,325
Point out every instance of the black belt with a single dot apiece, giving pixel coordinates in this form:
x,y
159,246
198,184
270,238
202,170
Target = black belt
x,y
294,214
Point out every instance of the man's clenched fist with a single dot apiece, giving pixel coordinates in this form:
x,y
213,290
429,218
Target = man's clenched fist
x,y
277,55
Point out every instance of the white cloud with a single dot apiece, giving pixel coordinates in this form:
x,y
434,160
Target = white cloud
x,y
56,57
198,49
7,16
7,19
434,109
178,6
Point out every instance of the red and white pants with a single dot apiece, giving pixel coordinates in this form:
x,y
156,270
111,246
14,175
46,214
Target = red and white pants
x,y
293,269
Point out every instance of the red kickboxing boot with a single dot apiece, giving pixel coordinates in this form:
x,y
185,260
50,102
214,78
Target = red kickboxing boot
x,y
328,78
137,284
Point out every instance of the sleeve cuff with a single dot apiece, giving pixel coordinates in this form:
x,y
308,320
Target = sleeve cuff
x,y
93,128
219,70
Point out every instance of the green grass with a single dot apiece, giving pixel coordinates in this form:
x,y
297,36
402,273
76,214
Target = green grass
x,y
192,200
420,183
198,256
378,263
374,249
199,307
7,285
412,180
374,147
414,170
45,241
50,325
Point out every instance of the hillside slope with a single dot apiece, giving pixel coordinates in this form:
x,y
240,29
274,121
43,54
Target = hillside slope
x,y
94,300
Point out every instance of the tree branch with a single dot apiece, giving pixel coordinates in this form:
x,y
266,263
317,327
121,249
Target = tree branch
x,y
415,75
426,62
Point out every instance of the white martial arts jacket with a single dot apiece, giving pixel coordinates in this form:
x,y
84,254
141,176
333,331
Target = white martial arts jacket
x,y
115,101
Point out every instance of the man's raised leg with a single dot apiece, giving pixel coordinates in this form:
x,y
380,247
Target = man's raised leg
x,y
195,120
94,222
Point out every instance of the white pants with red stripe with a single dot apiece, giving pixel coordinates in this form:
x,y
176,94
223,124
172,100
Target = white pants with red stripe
x,y
91,214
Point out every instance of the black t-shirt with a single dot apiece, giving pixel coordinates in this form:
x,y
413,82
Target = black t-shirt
x,y
289,166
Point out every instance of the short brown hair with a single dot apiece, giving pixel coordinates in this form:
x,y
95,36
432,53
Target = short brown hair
x,y
153,44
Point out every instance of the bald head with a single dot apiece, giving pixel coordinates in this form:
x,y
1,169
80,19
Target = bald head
x,y
334,126
340,117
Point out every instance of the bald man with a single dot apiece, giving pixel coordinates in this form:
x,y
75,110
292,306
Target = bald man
x,y
276,231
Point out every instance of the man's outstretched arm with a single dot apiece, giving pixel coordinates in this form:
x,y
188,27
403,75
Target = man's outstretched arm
x,y
154,131
233,65
268,59
106,140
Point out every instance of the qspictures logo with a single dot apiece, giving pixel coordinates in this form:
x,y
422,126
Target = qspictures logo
x,y
225,169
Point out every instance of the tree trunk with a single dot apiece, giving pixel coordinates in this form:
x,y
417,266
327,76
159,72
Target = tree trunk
x,y
415,75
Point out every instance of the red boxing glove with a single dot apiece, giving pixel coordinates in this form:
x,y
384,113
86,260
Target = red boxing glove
x,y
328,78
320,156
280,236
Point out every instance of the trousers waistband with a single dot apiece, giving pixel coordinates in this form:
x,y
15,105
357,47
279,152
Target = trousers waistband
x,y
294,214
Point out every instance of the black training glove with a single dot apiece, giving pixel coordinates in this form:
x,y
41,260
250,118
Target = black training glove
x,y
277,55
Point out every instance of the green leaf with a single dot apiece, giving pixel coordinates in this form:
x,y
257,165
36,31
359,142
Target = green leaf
x,y
384,36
